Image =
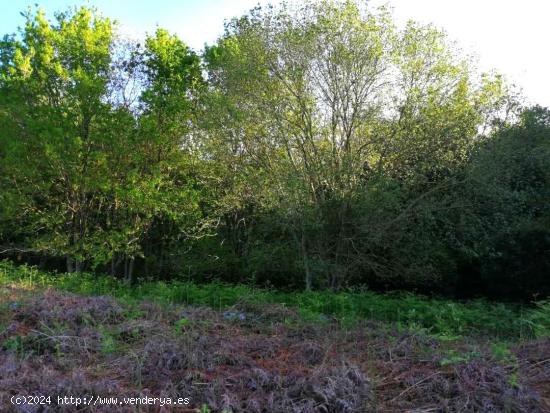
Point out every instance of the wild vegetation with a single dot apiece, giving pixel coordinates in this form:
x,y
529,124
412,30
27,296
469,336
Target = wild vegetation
x,y
322,211
247,354
312,146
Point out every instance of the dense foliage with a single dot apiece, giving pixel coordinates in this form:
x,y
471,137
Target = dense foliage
x,y
312,146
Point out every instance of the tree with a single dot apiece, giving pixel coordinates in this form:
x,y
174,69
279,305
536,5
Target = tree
x,y
505,233
168,158
53,83
90,166
329,98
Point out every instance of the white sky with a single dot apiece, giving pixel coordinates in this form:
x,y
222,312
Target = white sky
x,y
508,36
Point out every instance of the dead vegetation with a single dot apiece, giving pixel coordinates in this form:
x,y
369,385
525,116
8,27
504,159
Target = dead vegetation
x,y
251,360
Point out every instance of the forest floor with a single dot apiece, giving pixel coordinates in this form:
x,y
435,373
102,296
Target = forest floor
x,y
251,358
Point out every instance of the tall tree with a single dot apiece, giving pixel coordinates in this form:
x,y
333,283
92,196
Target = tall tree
x,y
93,139
330,96
53,85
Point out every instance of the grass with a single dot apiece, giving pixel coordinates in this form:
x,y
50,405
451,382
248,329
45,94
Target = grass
x,y
446,319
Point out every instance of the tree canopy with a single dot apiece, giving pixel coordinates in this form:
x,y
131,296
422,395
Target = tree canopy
x,y
317,145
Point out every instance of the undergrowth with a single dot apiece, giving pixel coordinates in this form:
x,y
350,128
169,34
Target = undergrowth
x,y
446,319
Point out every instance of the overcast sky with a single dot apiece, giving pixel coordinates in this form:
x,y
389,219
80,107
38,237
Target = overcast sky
x,y
508,36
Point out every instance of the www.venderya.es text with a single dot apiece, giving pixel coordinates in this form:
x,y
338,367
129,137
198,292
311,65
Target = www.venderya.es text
x,y
92,400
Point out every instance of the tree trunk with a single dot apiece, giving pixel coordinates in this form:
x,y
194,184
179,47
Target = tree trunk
x,y
339,271
70,264
305,260
113,266
130,271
